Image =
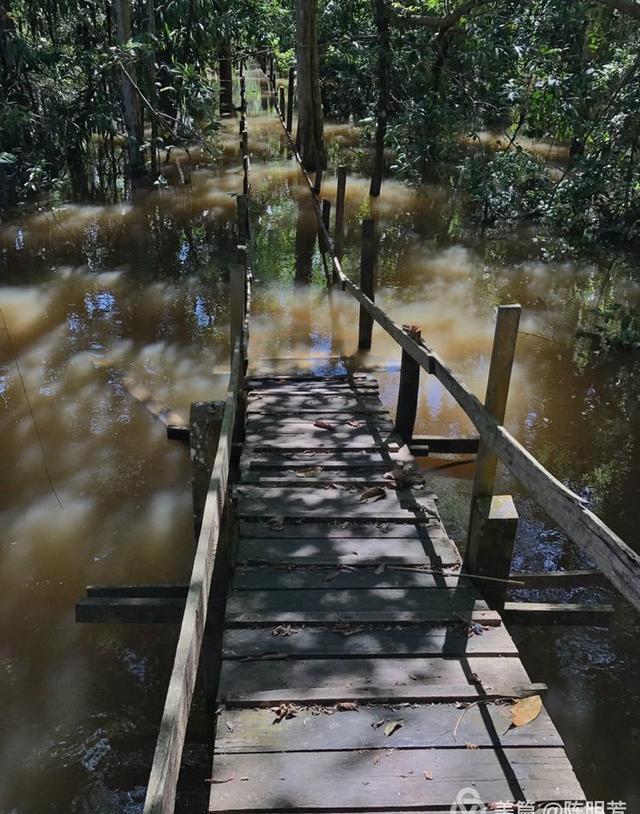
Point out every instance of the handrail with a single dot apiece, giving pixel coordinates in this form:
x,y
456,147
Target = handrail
x,y
161,791
618,561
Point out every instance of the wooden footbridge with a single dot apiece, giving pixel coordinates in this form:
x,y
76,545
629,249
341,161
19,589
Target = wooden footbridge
x,y
356,662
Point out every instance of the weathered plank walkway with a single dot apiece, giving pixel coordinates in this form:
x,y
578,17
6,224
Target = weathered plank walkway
x,y
360,672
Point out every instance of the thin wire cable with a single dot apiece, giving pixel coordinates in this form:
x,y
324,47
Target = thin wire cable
x,y
33,418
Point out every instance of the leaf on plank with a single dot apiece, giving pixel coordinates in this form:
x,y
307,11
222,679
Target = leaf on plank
x,y
380,569
428,775
347,706
526,710
392,727
373,493
324,425
215,781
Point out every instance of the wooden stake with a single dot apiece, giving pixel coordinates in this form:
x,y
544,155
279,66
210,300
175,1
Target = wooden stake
x,y
245,180
326,219
407,408
339,229
317,184
367,267
493,521
243,95
242,211
283,111
292,76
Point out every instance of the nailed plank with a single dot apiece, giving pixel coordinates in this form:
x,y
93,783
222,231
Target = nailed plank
x,y
332,551
415,693
266,579
269,424
359,640
426,726
557,613
130,610
317,439
343,530
296,405
335,504
440,444
425,604
342,674
381,458
561,579
355,780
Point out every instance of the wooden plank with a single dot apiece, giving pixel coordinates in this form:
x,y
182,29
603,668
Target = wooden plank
x,y
342,674
440,444
358,640
259,607
335,551
335,504
161,789
557,613
316,439
287,403
413,693
158,590
267,579
354,780
130,610
436,726
382,460
342,530
561,579
293,422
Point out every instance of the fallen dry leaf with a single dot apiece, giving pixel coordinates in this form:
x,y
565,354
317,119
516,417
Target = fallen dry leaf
x,y
215,781
392,727
229,726
380,569
310,472
347,706
472,746
276,523
283,630
284,711
373,493
324,425
526,710
428,775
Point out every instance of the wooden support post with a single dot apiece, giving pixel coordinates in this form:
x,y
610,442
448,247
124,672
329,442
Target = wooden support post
x,y
292,76
243,95
326,219
283,110
245,179
317,184
241,67
407,408
242,212
493,520
340,196
367,270
237,283
244,142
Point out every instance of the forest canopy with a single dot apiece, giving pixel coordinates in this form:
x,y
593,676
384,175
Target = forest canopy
x,y
95,92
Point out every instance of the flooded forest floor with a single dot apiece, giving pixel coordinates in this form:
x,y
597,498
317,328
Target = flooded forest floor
x,y
99,300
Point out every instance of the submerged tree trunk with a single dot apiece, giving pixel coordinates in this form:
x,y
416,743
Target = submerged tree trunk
x,y
310,136
384,66
132,118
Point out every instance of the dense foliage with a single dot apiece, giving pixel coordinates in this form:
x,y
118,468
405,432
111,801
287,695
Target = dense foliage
x,y
530,109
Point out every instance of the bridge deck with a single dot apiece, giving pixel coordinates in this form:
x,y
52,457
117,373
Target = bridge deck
x,y
360,672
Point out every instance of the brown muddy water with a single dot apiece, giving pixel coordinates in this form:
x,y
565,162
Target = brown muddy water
x,y
95,297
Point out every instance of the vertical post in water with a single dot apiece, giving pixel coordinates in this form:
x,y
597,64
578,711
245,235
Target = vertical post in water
x,y
317,184
245,179
241,67
338,237
494,520
244,142
243,95
367,268
283,109
407,408
292,77
238,275
326,220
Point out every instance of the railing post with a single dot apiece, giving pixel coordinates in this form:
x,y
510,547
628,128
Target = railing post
x,y
367,268
242,212
292,76
245,179
317,183
494,520
244,142
243,95
283,110
407,408
326,219
338,237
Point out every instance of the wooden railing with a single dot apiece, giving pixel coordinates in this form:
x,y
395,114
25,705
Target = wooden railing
x,y
617,561
163,780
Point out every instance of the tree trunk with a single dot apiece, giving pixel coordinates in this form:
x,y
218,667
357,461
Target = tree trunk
x,y
226,78
310,135
132,119
384,67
